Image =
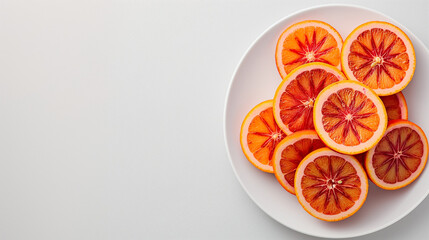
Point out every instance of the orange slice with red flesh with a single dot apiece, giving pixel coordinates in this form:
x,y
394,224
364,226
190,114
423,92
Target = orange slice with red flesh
x,y
305,42
329,185
349,117
289,153
400,156
294,98
259,136
380,55
396,106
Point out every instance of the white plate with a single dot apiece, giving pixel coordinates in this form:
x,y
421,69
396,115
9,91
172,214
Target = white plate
x,y
256,79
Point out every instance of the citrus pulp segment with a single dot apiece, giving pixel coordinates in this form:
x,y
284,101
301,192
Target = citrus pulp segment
x,y
361,158
289,153
400,156
259,136
349,117
295,96
396,106
380,55
305,42
329,185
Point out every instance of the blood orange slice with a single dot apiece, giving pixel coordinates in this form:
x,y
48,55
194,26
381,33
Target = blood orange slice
x,y
349,117
380,55
289,153
330,186
305,42
294,98
396,106
399,157
260,135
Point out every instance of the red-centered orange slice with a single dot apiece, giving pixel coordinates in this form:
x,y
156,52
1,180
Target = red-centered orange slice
x,y
289,153
305,42
260,135
294,98
349,117
380,55
396,106
400,156
329,185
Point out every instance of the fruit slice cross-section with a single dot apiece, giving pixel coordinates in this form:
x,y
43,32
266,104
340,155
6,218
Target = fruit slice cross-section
x,y
295,96
349,117
305,42
399,157
396,106
329,185
380,55
259,136
289,153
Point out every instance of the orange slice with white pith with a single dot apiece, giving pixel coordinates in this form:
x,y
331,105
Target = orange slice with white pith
x,y
349,117
329,185
305,42
400,156
295,96
379,55
259,136
289,153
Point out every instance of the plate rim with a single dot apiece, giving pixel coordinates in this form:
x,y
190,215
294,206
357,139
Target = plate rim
x,y
228,96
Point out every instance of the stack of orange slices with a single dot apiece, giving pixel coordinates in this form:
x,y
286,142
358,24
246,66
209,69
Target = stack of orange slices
x,y
338,118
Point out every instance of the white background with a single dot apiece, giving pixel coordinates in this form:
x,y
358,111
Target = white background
x,y
111,120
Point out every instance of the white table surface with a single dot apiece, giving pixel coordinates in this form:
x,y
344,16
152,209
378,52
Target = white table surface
x,y
112,118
